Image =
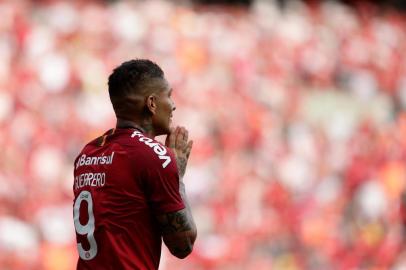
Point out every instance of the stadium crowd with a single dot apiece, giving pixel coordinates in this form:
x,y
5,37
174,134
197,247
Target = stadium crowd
x,y
298,117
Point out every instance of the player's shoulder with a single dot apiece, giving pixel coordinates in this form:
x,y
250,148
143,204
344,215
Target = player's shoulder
x,y
150,150
96,143
100,140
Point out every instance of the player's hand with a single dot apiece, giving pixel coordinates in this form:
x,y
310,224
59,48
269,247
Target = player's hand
x,y
178,140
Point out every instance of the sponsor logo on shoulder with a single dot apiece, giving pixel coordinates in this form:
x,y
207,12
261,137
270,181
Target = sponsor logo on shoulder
x,y
158,148
87,161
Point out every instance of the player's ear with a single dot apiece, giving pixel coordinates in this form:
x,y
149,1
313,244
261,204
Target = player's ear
x,y
151,103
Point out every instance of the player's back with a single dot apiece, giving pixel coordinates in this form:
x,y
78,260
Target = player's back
x,y
114,203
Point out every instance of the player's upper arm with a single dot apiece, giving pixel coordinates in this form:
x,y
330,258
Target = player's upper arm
x,y
178,232
160,179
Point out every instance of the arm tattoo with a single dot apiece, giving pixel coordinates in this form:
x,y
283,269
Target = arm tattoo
x,y
175,222
181,162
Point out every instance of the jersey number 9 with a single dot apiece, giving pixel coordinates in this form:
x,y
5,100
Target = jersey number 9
x,y
86,229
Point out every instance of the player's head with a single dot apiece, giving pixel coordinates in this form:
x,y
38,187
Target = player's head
x,y
139,92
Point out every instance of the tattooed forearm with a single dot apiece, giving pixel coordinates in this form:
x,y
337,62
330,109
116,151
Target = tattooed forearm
x,y
188,210
175,222
178,228
181,163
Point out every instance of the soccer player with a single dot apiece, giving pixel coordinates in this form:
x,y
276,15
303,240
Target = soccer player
x,y
128,187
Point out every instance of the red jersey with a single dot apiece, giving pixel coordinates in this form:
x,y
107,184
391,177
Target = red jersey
x,y
121,181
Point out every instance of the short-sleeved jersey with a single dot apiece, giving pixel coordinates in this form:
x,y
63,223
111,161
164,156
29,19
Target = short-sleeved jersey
x,y
121,181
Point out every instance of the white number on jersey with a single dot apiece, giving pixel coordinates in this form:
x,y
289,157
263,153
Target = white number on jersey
x,y
88,228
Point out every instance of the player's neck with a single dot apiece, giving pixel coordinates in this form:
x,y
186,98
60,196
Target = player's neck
x,y
144,127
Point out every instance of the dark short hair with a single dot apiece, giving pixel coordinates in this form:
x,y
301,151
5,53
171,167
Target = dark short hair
x,y
132,77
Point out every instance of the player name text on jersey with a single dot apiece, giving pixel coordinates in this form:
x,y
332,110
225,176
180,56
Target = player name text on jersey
x,y
86,161
159,149
90,179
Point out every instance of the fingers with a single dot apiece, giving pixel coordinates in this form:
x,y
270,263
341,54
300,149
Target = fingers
x,y
169,141
171,137
186,135
178,137
181,138
178,140
189,148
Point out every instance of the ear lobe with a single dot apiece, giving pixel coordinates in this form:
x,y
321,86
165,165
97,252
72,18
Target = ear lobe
x,y
151,103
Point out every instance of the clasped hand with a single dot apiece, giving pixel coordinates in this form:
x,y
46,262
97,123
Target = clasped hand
x,y
178,141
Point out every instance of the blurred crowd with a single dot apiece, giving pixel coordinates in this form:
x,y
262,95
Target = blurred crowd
x,y
297,114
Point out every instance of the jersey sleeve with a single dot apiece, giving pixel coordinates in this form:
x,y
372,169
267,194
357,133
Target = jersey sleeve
x,y
161,183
